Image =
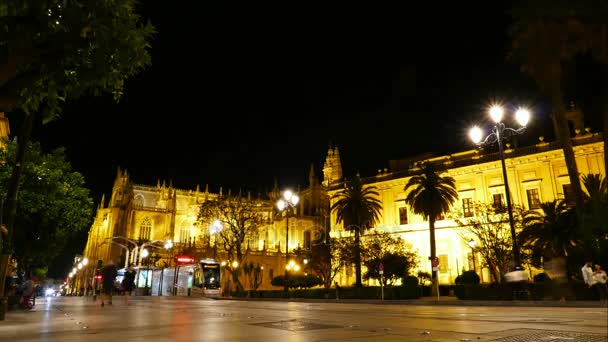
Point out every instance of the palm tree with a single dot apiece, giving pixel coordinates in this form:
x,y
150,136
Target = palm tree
x,y
550,232
595,217
430,195
358,207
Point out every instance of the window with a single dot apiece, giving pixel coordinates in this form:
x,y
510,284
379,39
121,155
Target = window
x,y
403,215
467,207
471,258
568,195
533,198
145,229
307,240
138,201
443,263
498,202
254,240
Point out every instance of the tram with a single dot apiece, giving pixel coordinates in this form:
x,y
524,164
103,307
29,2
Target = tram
x,y
207,277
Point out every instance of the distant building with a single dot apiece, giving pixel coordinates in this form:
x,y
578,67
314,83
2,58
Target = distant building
x,y
536,174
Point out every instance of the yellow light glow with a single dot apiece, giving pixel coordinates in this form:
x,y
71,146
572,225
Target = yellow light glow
x,y
223,263
85,261
296,268
291,262
281,205
287,195
295,199
79,266
145,253
235,264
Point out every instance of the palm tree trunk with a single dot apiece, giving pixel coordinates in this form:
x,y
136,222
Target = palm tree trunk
x,y
563,133
358,282
433,256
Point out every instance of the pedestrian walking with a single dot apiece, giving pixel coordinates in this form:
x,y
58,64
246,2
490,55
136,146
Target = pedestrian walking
x,y
128,283
108,274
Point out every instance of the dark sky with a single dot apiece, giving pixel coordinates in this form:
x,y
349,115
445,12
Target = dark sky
x,y
237,97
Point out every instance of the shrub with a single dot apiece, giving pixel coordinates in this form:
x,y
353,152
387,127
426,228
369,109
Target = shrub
x,y
410,281
542,278
297,281
468,278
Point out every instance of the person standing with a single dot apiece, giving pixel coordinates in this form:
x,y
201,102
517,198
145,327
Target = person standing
x,y
587,272
128,283
600,279
108,274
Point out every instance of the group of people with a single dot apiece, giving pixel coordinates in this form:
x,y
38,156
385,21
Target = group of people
x,y
596,278
109,273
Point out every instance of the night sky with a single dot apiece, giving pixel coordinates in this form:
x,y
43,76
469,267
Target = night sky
x,y
238,97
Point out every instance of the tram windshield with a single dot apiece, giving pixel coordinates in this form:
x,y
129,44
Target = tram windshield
x,y
211,275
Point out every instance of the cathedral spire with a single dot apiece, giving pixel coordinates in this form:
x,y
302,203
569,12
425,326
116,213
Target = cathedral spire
x,y
312,178
332,169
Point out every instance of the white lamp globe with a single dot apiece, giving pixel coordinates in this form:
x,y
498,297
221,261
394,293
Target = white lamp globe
x,y
496,113
287,195
295,199
522,116
475,134
281,205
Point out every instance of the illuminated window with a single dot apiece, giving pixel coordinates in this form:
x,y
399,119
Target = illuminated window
x,y
497,200
443,263
467,207
145,228
138,201
533,198
403,215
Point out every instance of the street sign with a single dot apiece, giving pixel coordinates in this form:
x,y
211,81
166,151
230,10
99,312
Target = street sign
x,y
435,262
381,272
381,267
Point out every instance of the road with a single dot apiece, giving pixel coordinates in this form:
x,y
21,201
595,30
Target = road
x,y
188,319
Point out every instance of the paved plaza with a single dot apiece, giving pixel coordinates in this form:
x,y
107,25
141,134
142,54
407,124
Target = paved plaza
x,y
189,319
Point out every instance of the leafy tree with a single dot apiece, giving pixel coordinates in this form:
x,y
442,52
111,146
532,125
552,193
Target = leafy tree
x,y
54,204
326,260
240,219
392,252
358,208
254,272
548,34
431,196
56,50
550,232
490,227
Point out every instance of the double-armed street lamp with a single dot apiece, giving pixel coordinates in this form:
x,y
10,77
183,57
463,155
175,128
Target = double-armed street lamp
x,y
499,133
471,244
289,201
215,228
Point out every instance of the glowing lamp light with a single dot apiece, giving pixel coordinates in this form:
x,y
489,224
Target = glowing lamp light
x,y
296,268
145,253
287,195
85,261
471,243
305,261
235,264
74,270
475,134
281,204
216,227
70,275
223,263
79,266
295,199
496,113
522,116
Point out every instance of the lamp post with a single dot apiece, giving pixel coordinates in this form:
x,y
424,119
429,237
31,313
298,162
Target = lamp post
x,y
500,132
215,228
471,244
289,201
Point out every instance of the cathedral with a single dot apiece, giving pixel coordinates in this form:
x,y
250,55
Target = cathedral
x,y
137,215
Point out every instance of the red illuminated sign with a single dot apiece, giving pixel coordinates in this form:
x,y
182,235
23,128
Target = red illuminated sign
x,y
184,259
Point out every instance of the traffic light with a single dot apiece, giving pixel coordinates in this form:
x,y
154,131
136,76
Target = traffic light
x,y
99,264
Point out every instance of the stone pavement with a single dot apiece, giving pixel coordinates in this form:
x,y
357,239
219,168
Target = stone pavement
x,y
195,319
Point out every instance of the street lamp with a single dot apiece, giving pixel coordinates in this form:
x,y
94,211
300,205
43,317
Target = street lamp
x,y
289,201
214,229
471,244
500,132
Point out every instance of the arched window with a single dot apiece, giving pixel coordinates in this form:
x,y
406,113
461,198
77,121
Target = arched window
x,y
184,234
145,229
138,201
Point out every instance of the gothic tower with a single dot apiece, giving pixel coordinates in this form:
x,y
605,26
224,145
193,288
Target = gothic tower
x,y
332,169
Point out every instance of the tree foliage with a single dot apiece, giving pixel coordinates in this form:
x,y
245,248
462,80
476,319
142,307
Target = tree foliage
x,y
326,260
358,207
52,51
53,203
490,228
392,252
240,218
